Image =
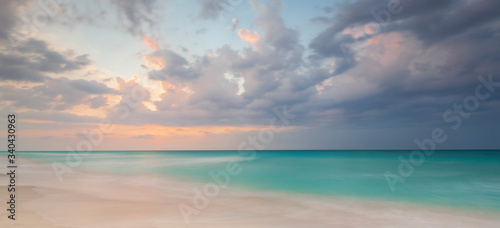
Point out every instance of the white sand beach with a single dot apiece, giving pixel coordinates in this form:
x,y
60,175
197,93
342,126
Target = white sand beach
x,y
85,199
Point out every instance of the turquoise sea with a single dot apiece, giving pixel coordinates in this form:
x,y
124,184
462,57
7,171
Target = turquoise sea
x,y
468,179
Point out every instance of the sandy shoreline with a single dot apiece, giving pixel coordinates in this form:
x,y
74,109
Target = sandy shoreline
x,y
99,200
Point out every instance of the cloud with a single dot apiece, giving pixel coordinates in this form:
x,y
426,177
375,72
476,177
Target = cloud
x,y
30,61
414,66
56,116
234,25
134,17
90,87
55,94
97,102
211,9
146,136
249,36
402,75
276,33
132,94
137,17
150,43
392,68
9,19
18,68
52,61
249,83
444,19
169,65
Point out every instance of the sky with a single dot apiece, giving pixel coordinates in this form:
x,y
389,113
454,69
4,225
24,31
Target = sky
x,y
251,74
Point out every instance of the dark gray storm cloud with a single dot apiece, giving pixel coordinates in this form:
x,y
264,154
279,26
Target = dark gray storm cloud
x,y
442,49
17,68
57,94
32,59
432,21
176,67
465,32
91,87
51,61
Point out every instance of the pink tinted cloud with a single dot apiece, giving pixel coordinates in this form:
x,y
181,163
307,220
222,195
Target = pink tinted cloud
x,y
149,42
249,36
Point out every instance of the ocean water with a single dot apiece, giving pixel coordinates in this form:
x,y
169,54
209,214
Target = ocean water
x,y
468,179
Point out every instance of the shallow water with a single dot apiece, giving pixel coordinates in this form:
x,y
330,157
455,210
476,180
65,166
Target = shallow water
x,y
469,179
